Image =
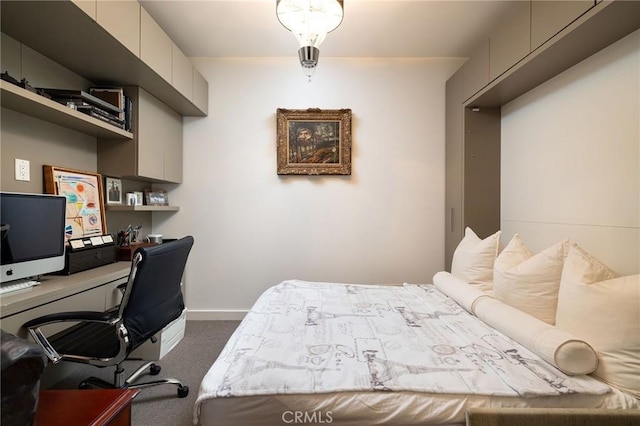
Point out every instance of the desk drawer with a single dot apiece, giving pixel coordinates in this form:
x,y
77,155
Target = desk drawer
x,y
168,338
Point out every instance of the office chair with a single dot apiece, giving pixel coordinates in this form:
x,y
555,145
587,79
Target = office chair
x,y
152,298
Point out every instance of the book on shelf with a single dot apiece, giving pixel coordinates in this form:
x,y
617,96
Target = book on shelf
x,y
128,113
86,108
84,96
99,116
93,111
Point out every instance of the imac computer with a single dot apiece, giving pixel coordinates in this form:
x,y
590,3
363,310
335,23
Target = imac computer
x,y
33,235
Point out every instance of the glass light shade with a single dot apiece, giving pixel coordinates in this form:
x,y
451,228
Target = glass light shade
x,y
310,20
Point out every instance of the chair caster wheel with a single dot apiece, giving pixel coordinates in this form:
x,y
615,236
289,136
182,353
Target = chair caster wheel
x,y
154,370
84,386
183,391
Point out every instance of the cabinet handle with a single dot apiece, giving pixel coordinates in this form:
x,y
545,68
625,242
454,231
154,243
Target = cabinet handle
x,y
451,218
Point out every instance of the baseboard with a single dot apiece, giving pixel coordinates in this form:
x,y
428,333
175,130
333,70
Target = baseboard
x,y
198,315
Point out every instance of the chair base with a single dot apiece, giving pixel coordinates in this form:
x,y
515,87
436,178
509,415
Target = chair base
x,y
119,381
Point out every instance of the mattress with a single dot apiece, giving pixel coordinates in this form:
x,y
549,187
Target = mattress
x,y
382,408
353,354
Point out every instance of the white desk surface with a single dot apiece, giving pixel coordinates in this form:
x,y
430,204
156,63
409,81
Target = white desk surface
x,y
54,287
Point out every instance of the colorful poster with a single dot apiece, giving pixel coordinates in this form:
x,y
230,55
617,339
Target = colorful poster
x,y
85,207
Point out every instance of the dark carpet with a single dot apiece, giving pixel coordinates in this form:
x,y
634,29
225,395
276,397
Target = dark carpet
x,y
188,362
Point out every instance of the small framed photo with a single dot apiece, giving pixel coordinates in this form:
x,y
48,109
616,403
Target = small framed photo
x,y
139,198
113,190
156,198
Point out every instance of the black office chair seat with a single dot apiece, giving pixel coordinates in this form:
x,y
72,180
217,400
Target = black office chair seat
x,y
151,300
90,340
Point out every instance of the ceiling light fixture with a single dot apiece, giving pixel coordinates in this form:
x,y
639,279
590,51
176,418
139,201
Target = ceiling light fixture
x,y
310,21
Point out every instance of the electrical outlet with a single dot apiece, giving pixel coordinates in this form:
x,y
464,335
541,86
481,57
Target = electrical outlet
x,y
22,170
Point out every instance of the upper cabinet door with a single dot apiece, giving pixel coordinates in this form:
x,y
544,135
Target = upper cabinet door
x,y
475,72
182,73
511,41
550,17
159,139
122,20
200,91
155,46
87,6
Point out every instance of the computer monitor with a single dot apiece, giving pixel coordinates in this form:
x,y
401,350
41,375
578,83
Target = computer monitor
x,y
33,238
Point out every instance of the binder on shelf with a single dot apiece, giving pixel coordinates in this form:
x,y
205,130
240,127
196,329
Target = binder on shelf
x,y
113,95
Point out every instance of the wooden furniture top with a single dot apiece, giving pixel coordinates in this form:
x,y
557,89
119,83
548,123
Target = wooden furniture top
x,y
82,407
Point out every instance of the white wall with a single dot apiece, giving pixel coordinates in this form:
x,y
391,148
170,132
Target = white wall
x,y
253,229
571,159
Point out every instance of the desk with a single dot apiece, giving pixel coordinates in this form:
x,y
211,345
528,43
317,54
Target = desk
x,y
91,290
101,407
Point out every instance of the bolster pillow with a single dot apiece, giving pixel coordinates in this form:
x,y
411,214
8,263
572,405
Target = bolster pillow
x,y
568,353
465,294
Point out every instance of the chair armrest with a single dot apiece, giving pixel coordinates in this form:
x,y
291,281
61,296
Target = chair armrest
x,y
109,317
105,317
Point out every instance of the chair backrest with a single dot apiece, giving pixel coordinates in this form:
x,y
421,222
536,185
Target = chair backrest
x,y
153,297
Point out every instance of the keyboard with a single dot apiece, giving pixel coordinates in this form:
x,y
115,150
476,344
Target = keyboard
x,y
12,286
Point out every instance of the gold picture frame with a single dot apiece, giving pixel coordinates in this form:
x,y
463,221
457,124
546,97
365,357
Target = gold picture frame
x,y
85,215
314,141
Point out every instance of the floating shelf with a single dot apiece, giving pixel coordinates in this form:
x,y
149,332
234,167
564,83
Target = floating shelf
x,y
124,208
21,100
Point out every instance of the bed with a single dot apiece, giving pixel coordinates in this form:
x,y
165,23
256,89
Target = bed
x,y
349,354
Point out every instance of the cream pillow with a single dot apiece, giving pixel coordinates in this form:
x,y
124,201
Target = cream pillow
x,y
604,309
528,281
461,291
558,347
473,259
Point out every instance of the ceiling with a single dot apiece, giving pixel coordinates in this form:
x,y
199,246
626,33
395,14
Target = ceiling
x,y
371,28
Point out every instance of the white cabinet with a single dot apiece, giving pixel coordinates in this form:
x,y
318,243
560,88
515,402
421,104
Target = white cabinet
x,y
155,46
121,19
159,137
472,177
182,73
200,91
453,166
473,121
475,72
88,6
105,49
550,17
155,153
510,42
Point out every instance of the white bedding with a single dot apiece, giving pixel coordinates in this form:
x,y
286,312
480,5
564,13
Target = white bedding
x,y
330,343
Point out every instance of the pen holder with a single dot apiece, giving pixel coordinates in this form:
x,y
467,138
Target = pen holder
x,y
126,252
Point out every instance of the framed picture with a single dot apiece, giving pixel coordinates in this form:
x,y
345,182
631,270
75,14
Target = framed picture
x,y
139,198
314,141
156,198
85,205
113,190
